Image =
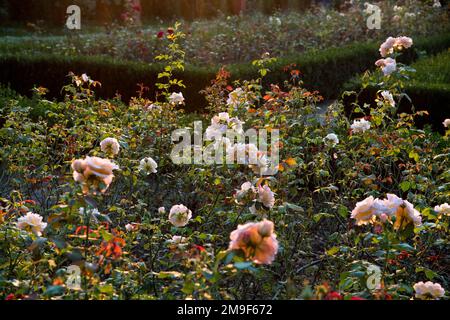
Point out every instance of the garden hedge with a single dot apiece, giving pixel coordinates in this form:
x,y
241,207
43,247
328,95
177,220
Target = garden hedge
x,y
326,70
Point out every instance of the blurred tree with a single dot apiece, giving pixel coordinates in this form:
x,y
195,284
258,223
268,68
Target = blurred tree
x,y
238,6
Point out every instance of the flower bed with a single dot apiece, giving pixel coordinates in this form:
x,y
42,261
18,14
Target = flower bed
x,y
239,39
96,204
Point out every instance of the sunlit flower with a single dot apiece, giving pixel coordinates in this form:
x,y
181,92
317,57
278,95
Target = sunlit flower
x,y
180,215
403,211
161,210
428,290
93,171
446,123
387,47
360,125
129,227
387,96
443,209
148,165
247,191
387,65
32,222
395,44
221,123
364,211
390,205
110,145
331,139
176,98
266,196
257,240
246,186
405,215
402,43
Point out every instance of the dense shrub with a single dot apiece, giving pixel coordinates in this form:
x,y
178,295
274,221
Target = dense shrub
x,y
355,210
325,70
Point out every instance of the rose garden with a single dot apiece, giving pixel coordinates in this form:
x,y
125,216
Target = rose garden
x,y
346,195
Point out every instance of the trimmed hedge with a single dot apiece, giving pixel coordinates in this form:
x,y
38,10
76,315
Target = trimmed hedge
x,y
22,72
429,90
326,70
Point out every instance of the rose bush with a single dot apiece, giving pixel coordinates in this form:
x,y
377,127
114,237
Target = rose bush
x,y
356,210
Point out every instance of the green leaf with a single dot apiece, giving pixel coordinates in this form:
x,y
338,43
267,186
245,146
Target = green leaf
x,y
414,155
54,291
343,211
404,246
294,207
319,216
332,251
168,274
405,186
243,265
108,289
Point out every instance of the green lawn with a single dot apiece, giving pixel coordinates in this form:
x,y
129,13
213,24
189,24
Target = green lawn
x,y
433,71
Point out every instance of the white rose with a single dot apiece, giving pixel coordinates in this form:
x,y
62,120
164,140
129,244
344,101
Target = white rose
x,y
360,125
148,165
92,171
110,145
33,222
180,215
331,139
443,209
266,196
364,211
428,290
176,98
391,204
387,96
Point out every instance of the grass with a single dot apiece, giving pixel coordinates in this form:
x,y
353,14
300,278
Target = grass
x,y
433,71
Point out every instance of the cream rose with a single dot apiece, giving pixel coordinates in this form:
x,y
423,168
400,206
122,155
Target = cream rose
x,y
180,215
